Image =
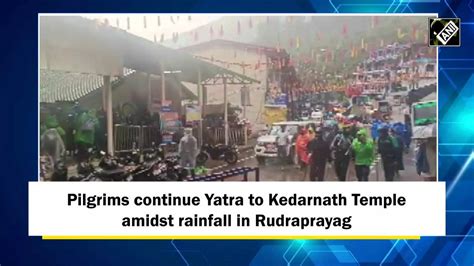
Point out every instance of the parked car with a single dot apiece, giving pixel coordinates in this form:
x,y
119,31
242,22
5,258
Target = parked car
x,y
267,146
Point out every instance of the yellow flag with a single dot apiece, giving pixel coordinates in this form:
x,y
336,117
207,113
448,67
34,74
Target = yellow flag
x,y
400,34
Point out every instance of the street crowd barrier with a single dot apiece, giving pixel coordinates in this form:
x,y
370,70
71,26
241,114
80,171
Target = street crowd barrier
x,y
129,138
221,176
236,135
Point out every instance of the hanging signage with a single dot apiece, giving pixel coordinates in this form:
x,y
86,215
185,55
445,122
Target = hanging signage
x,y
275,97
193,113
274,114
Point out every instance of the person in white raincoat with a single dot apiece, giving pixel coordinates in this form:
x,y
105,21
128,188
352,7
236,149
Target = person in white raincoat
x,y
188,149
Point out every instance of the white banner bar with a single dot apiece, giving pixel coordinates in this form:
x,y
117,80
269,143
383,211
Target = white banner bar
x,y
224,209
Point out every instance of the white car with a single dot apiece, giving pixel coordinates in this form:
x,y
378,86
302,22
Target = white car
x,y
267,146
317,116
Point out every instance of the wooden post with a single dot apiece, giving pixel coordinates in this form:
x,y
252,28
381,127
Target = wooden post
x,y
200,101
245,111
226,125
163,85
108,100
148,79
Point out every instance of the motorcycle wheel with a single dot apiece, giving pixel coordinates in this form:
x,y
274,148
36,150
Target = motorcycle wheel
x,y
230,157
201,158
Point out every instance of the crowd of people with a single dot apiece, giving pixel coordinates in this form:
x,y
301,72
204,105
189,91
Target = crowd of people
x,y
352,142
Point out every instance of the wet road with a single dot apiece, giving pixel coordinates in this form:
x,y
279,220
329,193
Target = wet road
x,y
273,170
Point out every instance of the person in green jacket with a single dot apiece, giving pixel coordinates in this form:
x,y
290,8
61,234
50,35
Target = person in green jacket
x,y
52,122
363,150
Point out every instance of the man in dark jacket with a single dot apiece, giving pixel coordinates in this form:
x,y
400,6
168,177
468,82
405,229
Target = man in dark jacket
x,y
319,155
341,146
399,148
388,152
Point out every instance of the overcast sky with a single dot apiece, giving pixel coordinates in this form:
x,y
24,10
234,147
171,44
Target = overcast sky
x,y
181,23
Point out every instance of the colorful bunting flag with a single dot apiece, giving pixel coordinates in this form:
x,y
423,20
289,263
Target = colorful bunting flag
x,y
375,21
400,34
344,30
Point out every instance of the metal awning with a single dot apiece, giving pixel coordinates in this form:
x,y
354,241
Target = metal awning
x,y
77,44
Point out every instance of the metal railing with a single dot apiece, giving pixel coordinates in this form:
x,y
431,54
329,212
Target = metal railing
x,y
129,138
236,135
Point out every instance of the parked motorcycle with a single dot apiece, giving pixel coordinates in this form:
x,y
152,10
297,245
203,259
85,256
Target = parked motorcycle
x,y
217,152
169,170
60,172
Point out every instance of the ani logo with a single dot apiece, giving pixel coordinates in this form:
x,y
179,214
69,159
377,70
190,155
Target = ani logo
x,y
445,31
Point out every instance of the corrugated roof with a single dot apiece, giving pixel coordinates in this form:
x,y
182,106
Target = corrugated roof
x,y
67,86
68,33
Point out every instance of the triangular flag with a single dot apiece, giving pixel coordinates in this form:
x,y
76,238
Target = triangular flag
x,y
257,66
375,21
413,32
344,30
400,34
